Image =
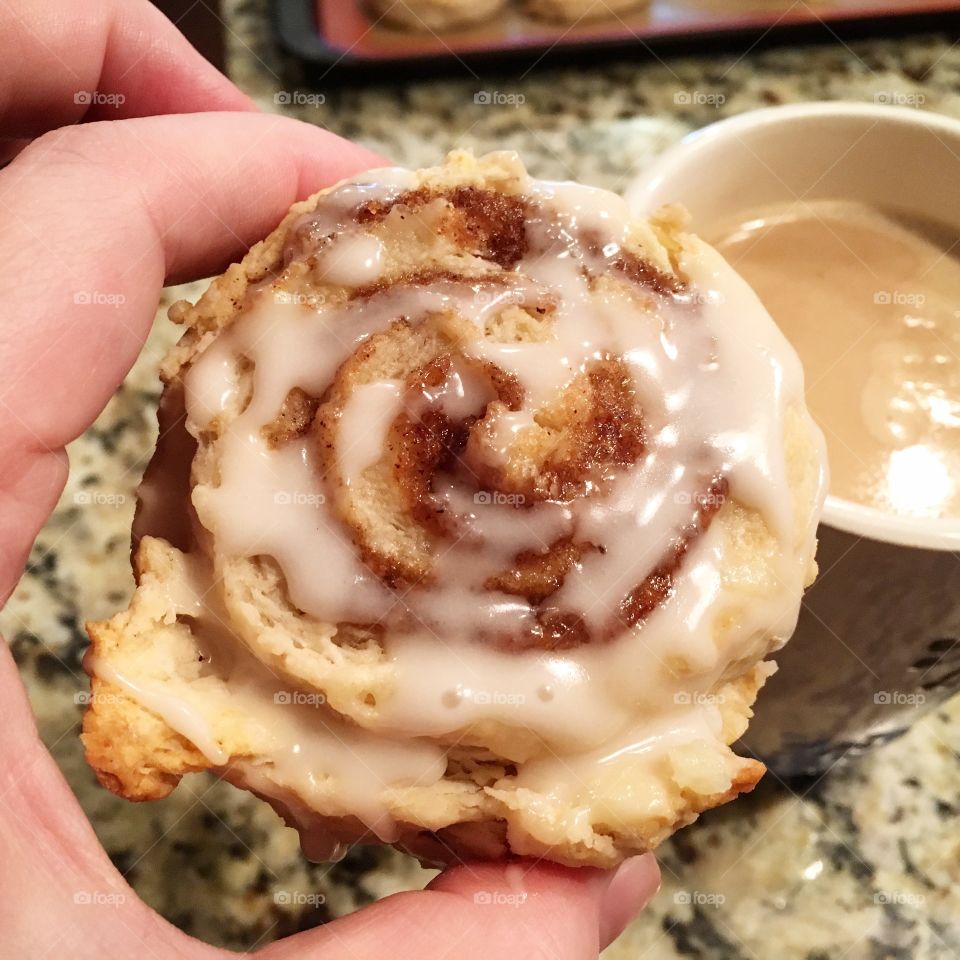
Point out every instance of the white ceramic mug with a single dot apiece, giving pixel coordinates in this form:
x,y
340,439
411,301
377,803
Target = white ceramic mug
x,y
878,640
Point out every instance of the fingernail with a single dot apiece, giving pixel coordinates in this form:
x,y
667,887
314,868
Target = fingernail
x,y
633,886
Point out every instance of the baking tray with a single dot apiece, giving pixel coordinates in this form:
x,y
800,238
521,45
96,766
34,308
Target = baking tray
x,y
337,38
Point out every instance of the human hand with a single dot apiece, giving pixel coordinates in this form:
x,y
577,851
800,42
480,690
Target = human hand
x,y
171,175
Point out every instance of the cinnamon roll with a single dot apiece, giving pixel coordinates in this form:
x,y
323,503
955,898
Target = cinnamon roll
x,y
478,507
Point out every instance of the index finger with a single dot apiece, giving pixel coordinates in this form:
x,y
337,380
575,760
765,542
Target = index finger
x,y
96,217
61,62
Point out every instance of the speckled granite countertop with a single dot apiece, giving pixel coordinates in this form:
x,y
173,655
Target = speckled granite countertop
x,y
864,863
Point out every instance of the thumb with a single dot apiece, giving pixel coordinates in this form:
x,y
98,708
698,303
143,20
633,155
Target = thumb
x,y
485,911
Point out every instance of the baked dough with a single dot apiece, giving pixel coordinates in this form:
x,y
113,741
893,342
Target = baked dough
x,y
478,506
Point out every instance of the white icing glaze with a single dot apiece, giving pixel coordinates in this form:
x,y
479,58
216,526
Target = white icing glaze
x,y
691,355
363,426
714,377
355,262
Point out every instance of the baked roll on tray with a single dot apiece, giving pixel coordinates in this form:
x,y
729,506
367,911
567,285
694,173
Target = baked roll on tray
x,y
575,11
435,15
478,506
442,16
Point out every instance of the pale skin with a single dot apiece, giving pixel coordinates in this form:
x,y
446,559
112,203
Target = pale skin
x,y
171,180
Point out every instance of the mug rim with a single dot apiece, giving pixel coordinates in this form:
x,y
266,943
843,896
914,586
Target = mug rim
x,y
930,533
849,109
926,533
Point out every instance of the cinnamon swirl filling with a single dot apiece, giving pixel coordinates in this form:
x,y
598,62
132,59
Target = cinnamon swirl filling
x,y
500,432
444,441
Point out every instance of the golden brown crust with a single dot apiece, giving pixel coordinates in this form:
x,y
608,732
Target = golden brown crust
x,y
132,751
137,756
475,812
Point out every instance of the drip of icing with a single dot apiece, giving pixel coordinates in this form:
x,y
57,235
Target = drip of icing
x,y
312,753
216,390
567,778
603,683
175,710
